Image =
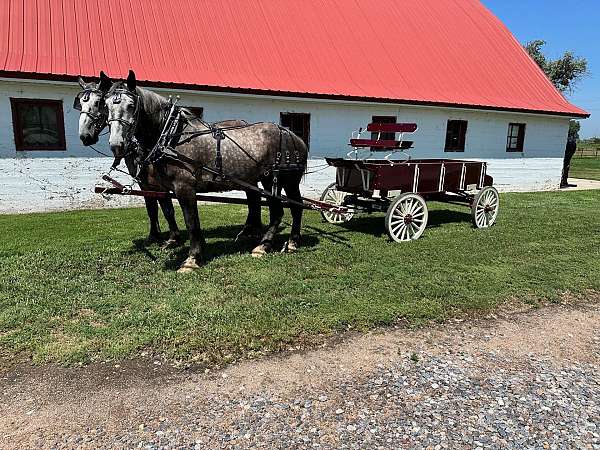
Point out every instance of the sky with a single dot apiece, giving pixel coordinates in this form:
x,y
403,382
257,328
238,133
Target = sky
x,y
566,25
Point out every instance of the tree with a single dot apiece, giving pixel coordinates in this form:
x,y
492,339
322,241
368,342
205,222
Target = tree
x,y
574,127
564,72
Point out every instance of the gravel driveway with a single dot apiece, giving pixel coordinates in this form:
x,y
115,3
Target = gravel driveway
x,y
525,380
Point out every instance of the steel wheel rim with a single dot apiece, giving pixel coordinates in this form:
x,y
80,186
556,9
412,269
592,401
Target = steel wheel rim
x,y
408,219
335,197
486,209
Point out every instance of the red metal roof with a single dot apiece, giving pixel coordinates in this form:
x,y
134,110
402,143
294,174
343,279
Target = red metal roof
x,y
443,52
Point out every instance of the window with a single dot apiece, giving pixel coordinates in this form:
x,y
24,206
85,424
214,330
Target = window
x,y
516,137
197,111
298,123
456,135
383,136
38,124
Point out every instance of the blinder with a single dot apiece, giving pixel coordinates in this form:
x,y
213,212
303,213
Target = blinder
x,y
83,96
116,99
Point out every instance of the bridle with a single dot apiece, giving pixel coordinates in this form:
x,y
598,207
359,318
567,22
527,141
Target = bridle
x,y
130,142
100,119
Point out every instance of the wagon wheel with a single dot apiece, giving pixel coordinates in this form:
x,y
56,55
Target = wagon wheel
x,y
333,196
406,217
485,207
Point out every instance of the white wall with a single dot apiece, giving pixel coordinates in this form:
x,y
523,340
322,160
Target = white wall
x,y
538,167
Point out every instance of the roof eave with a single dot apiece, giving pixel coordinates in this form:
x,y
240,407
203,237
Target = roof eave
x,y
199,87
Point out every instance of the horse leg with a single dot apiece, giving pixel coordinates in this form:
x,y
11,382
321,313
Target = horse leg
x,y
189,206
275,216
166,204
253,225
292,190
152,210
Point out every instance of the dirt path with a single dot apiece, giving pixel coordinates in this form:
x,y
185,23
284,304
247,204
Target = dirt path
x,y
517,380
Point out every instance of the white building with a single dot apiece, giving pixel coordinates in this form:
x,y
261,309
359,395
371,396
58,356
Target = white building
x,y
475,96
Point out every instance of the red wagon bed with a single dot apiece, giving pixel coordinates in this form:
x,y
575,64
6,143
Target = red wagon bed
x,y
400,187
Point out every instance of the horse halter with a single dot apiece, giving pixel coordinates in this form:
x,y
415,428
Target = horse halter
x,y
128,134
100,119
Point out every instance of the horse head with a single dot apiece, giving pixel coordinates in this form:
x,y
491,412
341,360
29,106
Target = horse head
x,y
92,108
123,104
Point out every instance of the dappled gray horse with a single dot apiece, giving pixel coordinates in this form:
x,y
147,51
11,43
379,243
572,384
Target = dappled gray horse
x,y
246,153
92,120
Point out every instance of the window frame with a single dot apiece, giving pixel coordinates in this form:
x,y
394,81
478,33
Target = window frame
x,y
521,127
195,109
462,138
17,124
306,124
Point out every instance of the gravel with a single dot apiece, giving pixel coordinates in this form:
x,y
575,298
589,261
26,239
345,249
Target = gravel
x,y
442,395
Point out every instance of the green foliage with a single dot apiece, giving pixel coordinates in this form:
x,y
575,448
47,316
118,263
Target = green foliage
x,y
564,72
593,142
80,286
574,128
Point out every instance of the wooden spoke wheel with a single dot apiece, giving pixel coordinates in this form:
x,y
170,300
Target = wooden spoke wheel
x,y
406,217
333,196
485,207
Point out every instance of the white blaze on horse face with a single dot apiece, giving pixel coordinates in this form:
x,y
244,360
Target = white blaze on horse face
x,y
119,116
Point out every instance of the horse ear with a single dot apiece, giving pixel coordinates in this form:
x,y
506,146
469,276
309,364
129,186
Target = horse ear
x,y
131,82
105,82
82,83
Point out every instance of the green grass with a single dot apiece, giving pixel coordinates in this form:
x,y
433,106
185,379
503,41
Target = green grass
x,y
587,168
79,286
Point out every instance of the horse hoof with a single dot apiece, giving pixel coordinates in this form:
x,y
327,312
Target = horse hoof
x,y
289,247
189,266
260,251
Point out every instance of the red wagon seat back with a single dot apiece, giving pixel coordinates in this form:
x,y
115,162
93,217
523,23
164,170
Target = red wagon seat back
x,y
381,145
392,127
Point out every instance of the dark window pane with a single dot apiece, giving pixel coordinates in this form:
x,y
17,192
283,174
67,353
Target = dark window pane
x,y
197,111
298,123
384,136
516,137
38,124
456,136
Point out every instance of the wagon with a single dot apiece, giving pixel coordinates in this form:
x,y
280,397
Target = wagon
x,y
401,187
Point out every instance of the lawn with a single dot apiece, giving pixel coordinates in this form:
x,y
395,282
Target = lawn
x,y
80,286
588,168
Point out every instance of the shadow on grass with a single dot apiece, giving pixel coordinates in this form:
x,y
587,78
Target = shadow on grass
x,y
221,242
442,216
375,224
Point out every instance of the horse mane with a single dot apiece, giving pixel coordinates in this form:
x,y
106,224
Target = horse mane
x,y
152,102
